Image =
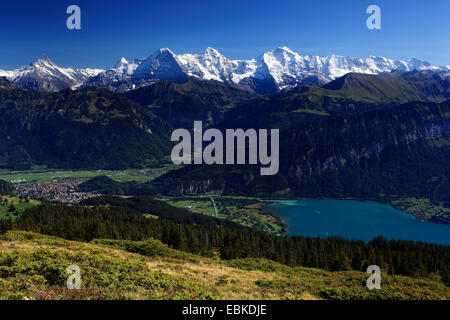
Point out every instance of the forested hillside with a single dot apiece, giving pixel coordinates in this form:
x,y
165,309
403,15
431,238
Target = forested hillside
x,y
349,138
34,267
386,153
92,128
85,224
194,100
148,206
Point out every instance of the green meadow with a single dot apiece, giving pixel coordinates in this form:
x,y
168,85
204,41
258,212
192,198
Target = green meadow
x,y
8,203
248,212
43,176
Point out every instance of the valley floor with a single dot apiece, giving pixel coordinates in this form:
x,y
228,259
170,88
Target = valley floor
x,y
61,185
33,266
246,211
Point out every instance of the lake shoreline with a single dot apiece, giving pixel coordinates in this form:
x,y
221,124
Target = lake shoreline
x,y
420,215
356,219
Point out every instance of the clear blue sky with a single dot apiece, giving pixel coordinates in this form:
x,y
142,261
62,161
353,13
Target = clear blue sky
x,y
238,29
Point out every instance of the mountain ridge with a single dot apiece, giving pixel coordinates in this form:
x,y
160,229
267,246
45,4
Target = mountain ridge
x,y
92,128
45,75
271,72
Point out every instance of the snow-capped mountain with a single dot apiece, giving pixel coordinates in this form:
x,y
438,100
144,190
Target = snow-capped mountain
x,y
272,71
118,78
288,68
124,68
164,65
45,75
275,70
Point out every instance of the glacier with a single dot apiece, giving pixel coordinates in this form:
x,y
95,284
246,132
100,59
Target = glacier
x,y
272,71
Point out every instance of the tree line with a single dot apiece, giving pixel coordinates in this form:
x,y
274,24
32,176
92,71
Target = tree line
x,y
87,223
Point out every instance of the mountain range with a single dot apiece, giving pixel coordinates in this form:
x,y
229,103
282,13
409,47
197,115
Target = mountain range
x,y
45,75
269,73
367,136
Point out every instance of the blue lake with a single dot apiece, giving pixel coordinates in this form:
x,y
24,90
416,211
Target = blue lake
x,y
355,220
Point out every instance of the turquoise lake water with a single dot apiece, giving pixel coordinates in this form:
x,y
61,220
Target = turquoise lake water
x,y
355,220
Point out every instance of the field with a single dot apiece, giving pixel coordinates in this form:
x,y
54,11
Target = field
x,y
34,267
421,208
44,176
245,211
248,212
20,205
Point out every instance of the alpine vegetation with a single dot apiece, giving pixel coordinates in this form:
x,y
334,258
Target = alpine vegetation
x,y
213,153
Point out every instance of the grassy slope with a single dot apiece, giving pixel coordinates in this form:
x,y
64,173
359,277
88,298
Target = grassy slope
x,y
371,89
21,206
247,214
44,176
33,266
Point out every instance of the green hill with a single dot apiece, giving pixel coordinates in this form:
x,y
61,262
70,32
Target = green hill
x,y
110,218
33,267
92,129
181,104
372,88
350,94
390,151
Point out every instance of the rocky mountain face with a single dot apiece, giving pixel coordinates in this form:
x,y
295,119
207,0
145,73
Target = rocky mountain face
x,y
273,71
45,75
372,134
92,128
118,78
374,155
4,83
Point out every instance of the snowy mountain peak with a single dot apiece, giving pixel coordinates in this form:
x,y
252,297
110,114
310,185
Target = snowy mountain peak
x,y
163,54
44,62
121,62
165,51
45,59
278,69
286,49
211,51
162,65
123,68
44,74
